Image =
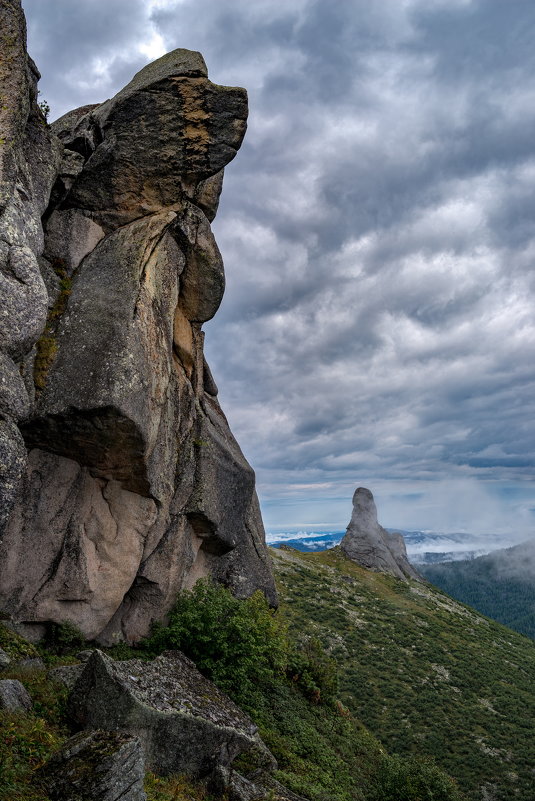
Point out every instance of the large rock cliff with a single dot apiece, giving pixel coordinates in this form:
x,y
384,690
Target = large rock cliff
x,y
120,480
372,546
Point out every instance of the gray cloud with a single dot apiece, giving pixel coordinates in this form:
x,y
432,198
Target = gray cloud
x,y
377,229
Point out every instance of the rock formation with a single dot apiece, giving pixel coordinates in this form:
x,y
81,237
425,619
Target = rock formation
x,y
184,723
96,766
14,696
370,545
120,481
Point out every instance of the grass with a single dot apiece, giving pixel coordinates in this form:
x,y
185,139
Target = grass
x,y
425,684
288,687
14,646
27,740
425,674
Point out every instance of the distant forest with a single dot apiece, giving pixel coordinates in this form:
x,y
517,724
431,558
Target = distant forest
x,y
500,585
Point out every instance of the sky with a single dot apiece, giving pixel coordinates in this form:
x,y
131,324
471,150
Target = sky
x,y
377,227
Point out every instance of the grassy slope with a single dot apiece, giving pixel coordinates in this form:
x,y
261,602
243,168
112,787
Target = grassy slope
x,y
494,585
322,751
425,674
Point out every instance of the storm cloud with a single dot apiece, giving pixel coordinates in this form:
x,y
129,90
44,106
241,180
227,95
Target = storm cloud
x,y
377,227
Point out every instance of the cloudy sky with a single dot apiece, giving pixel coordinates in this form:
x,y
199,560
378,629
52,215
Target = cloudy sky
x,y
377,227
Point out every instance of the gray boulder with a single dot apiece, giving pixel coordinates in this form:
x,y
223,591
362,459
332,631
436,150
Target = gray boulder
x,y
96,766
370,545
185,724
14,696
67,675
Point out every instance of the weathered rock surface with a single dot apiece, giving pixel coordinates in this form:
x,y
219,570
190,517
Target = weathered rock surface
x,y
370,545
28,161
240,788
120,481
97,766
5,660
14,696
67,675
185,724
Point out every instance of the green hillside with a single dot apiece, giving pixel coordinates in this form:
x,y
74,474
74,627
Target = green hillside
x,y
425,674
323,752
501,585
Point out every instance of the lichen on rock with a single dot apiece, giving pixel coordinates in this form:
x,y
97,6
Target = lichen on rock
x,y
171,708
96,766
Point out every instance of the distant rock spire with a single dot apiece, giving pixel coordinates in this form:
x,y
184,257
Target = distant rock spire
x,y
370,545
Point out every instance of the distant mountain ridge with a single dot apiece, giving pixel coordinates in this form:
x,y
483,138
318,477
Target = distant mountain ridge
x,y
423,547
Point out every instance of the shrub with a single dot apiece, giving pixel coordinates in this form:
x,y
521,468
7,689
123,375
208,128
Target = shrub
x,y
239,644
64,637
411,779
315,673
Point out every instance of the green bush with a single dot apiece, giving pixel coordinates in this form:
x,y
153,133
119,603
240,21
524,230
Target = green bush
x,y
314,672
16,646
61,638
243,645
240,645
411,779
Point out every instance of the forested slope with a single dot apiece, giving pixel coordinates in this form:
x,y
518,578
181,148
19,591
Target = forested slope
x,y
501,585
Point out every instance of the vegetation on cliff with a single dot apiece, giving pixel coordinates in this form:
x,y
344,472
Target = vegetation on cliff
x,y
290,688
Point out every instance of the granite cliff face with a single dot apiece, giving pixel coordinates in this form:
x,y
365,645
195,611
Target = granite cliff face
x,y
370,545
120,481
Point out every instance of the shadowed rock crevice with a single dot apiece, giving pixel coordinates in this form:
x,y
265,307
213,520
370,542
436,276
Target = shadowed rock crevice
x,y
134,486
110,444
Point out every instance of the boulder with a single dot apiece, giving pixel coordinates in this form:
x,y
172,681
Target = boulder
x,y
67,675
14,696
96,766
240,788
370,545
185,724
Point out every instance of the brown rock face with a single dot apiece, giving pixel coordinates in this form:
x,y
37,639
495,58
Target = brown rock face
x,y
135,486
370,545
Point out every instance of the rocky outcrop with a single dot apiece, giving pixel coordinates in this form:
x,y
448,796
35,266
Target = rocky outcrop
x,y
120,480
14,696
96,766
370,545
185,724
